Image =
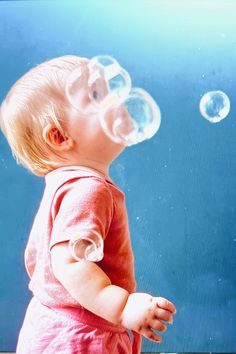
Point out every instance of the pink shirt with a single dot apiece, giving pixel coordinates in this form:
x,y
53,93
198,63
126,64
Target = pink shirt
x,y
76,198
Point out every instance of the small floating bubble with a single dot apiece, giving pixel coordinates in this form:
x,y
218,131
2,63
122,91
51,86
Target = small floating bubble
x,y
214,106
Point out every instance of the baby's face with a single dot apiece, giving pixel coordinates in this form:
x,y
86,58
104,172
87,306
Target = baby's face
x,y
84,127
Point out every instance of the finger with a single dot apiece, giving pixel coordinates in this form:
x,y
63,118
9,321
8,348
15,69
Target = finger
x,y
157,325
149,334
165,304
164,315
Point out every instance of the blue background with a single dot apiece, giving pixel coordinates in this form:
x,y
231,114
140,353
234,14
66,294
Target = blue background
x,y
180,185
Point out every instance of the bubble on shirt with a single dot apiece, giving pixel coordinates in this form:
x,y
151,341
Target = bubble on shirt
x,y
214,106
88,245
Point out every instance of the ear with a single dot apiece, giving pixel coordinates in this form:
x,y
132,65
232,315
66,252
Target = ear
x,y
54,138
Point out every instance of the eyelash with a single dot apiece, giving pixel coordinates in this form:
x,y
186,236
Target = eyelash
x,y
95,94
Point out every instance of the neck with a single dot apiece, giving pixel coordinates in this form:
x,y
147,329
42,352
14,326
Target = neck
x,y
96,156
100,167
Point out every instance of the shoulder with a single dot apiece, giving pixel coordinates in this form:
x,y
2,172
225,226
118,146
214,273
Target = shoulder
x,y
86,186
88,191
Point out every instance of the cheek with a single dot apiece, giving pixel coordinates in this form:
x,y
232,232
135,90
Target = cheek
x,y
80,125
91,126
88,129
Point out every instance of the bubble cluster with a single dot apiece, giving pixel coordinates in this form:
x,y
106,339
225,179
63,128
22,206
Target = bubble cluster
x,y
214,106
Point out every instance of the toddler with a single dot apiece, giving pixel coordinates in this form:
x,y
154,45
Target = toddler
x,y
67,119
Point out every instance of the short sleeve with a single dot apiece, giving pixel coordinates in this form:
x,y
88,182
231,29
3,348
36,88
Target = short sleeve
x,y
81,204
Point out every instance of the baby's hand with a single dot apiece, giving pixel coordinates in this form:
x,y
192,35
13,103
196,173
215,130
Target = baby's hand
x,y
143,313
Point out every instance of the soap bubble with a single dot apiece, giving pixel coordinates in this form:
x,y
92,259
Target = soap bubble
x,y
88,245
137,119
214,106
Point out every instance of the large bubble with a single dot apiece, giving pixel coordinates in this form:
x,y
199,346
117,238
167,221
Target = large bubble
x,y
136,119
214,106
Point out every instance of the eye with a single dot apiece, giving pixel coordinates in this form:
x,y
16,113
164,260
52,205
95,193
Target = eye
x,y
95,94
98,90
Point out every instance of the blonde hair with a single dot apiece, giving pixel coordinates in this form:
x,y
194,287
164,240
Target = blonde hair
x,y
34,101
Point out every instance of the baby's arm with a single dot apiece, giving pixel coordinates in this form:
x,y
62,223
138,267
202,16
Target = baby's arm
x,y
91,287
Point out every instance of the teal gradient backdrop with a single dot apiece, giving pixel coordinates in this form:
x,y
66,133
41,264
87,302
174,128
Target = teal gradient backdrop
x,y
180,186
